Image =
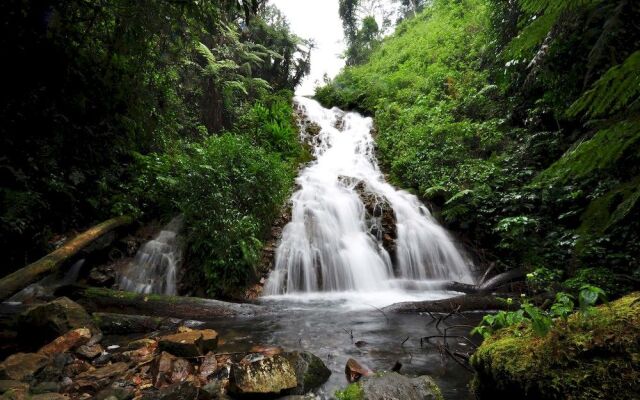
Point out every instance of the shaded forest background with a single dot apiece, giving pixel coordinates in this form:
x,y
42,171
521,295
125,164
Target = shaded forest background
x,y
147,108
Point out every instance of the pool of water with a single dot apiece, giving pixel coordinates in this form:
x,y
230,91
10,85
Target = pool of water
x,y
330,326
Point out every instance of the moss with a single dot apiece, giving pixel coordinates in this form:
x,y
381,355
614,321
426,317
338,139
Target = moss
x,y
587,358
352,392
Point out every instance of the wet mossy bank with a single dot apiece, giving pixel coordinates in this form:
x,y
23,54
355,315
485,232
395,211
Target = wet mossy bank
x,y
588,357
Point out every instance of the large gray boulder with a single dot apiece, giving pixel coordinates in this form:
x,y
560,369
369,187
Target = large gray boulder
x,y
393,386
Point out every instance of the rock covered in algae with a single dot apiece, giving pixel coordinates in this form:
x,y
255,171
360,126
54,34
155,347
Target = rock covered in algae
x,y
590,357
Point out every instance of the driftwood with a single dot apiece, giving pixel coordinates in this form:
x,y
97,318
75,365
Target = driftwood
x,y
16,281
488,285
188,308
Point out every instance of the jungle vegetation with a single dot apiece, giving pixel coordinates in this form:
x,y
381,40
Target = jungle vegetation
x,y
128,107
519,122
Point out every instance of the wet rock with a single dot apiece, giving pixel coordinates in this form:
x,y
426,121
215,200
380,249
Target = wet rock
x,y
45,387
89,351
169,369
381,218
208,367
190,344
101,277
115,393
312,129
45,322
266,350
143,354
22,366
66,342
77,367
354,370
101,377
257,374
310,371
15,386
48,396
137,344
395,386
179,391
102,360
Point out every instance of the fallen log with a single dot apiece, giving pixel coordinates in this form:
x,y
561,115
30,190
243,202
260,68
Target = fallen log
x,y
469,302
190,308
16,281
487,286
121,324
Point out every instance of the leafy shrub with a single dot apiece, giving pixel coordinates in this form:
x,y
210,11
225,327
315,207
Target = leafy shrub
x,y
229,192
538,319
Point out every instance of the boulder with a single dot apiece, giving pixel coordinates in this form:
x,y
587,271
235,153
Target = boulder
x,y
354,370
22,366
97,379
392,385
66,342
585,357
259,375
190,344
310,371
45,322
169,369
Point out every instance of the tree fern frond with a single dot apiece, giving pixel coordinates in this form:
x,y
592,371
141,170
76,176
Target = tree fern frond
x,y
533,34
617,88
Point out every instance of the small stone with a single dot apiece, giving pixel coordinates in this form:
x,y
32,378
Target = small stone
x,y
169,369
266,350
45,387
77,367
22,366
48,396
142,354
190,344
66,342
6,385
99,378
354,370
208,367
103,359
90,351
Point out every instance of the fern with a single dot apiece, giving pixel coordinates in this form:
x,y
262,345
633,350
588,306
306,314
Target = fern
x,y
616,89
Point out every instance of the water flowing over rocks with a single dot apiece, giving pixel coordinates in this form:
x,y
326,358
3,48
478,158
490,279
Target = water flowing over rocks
x,y
348,224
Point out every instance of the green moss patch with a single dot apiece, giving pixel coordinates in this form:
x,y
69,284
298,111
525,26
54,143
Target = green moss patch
x,y
590,357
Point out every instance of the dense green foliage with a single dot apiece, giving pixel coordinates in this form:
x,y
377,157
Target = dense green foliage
x,y
540,320
582,358
487,109
113,107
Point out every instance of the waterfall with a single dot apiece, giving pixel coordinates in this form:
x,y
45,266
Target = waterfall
x,y
334,240
154,268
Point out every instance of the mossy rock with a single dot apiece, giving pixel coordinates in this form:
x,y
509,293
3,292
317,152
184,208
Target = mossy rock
x,y
391,385
589,357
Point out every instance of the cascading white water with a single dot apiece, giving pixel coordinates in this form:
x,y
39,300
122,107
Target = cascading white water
x,y
327,246
155,266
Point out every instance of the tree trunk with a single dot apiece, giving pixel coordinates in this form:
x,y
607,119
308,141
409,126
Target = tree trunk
x,y
487,286
190,308
14,282
469,302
